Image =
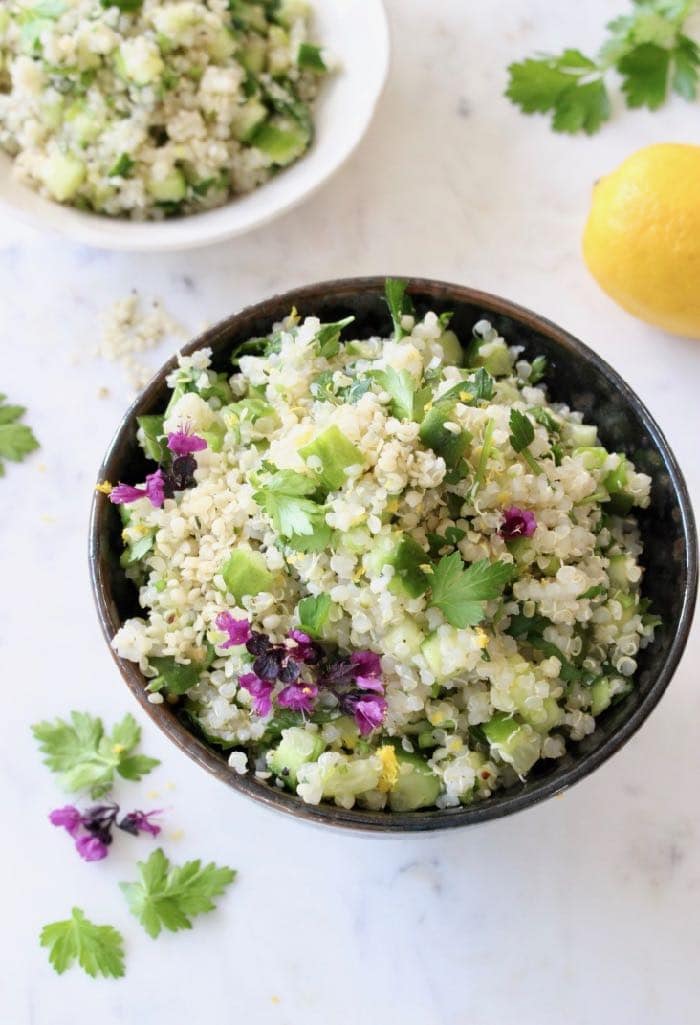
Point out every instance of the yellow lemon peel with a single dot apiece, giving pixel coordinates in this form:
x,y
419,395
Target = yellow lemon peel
x,y
105,488
390,768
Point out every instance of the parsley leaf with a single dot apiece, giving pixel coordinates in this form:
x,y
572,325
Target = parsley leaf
x,y
313,613
538,369
85,757
644,73
569,85
522,435
401,387
98,949
167,896
398,302
174,677
284,497
459,591
16,440
647,47
328,337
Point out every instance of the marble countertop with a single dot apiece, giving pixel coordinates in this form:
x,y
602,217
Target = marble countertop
x,y
584,909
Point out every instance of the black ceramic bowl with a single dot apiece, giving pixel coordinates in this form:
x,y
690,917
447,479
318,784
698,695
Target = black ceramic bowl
x,y
577,376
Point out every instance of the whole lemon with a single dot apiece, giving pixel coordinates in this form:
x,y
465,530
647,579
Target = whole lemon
x,y
642,239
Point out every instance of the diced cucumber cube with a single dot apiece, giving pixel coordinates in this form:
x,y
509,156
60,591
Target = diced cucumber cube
x,y
245,572
601,695
171,189
248,117
496,358
63,175
335,454
592,457
581,435
283,139
417,785
517,744
452,351
296,747
252,56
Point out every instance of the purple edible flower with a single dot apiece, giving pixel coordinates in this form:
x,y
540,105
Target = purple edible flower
x,y
69,817
183,442
154,490
299,697
369,670
91,848
260,691
305,650
238,630
517,523
140,822
369,711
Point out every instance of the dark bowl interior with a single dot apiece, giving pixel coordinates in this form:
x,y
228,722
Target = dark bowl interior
x,y
577,376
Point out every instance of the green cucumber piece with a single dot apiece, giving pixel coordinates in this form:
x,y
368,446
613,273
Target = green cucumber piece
x,y
417,785
296,747
245,572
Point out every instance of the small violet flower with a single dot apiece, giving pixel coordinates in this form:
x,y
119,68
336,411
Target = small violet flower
x,y
238,630
517,523
183,442
368,667
69,817
305,651
91,848
369,711
260,691
140,822
124,494
299,697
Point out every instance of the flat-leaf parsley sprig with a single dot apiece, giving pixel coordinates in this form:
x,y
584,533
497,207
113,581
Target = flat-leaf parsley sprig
x,y
648,48
87,758
16,440
167,896
98,949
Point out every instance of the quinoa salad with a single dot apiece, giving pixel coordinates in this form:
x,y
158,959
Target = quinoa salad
x,y
388,572
146,108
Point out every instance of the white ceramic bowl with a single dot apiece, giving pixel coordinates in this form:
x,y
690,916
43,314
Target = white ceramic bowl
x,y
357,34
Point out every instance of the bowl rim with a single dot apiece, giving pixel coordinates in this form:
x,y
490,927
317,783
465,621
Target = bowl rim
x,y
203,228
362,820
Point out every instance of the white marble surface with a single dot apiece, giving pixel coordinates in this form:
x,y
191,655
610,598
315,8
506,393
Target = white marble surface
x,y
582,910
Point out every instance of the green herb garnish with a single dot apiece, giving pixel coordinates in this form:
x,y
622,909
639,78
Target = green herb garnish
x,y
167,896
459,591
522,435
16,440
98,949
86,758
648,49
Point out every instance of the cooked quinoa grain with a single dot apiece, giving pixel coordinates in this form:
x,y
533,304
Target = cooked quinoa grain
x,y
146,108
377,576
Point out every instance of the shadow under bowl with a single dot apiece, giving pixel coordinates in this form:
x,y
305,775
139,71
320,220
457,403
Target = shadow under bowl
x,y
577,376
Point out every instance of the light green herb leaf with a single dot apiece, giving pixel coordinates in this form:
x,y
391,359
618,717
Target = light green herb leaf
x,y
309,58
16,440
398,303
167,896
335,453
283,496
98,949
85,757
460,591
153,441
401,386
173,676
583,107
328,337
539,369
522,433
313,613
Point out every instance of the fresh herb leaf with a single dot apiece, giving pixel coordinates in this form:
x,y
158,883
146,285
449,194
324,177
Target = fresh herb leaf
x,y
153,442
686,62
401,387
98,949
538,369
530,630
647,47
408,562
85,757
309,59
167,896
487,448
16,440
136,551
328,337
357,389
123,167
522,435
542,416
644,73
460,591
313,613
398,302
126,6
569,86
173,677
284,497
593,592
